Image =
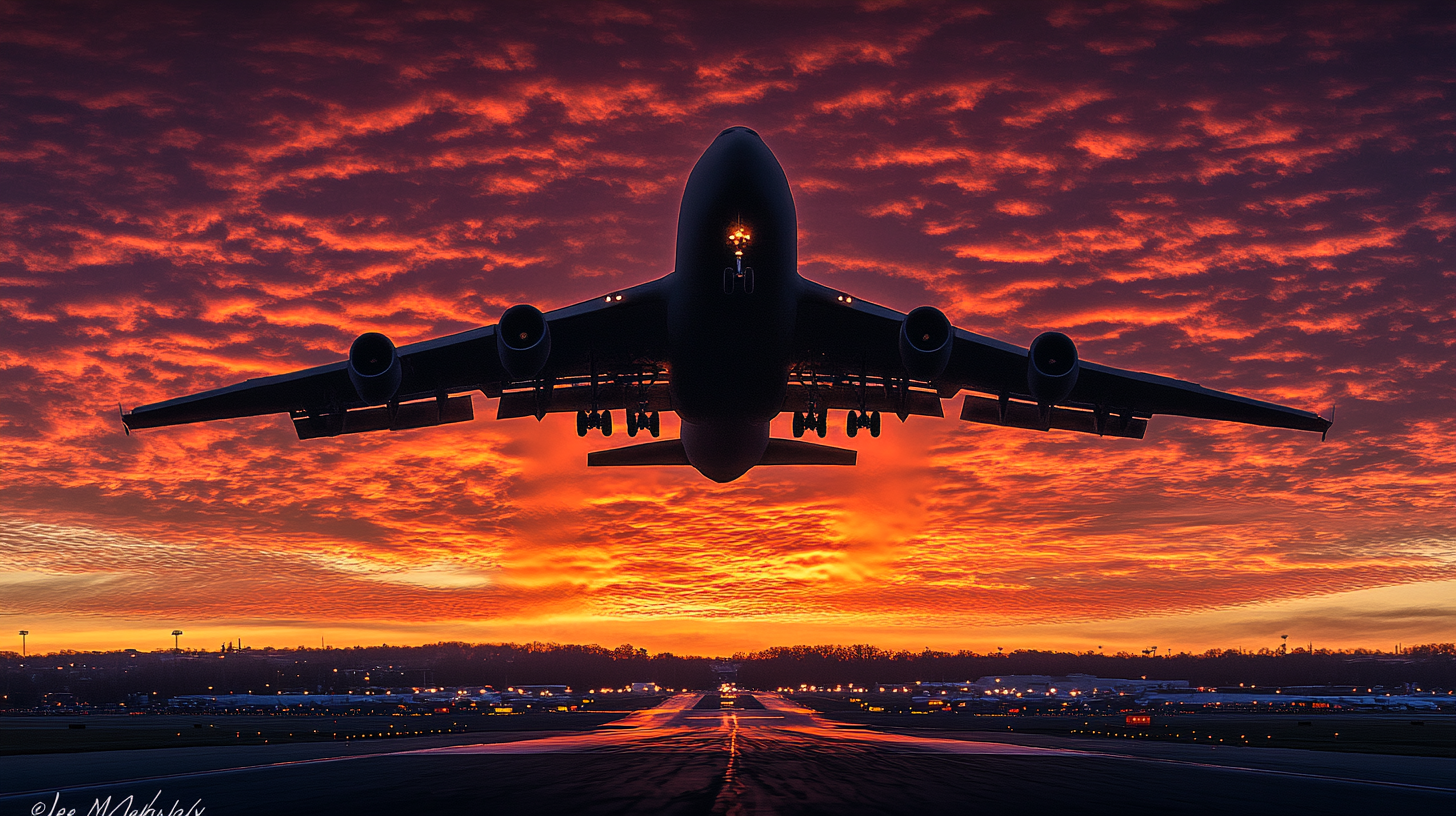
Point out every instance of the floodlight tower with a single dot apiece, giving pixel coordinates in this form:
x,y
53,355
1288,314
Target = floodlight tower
x,y
23,633
176,633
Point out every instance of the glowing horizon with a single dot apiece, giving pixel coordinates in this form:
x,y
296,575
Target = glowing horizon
x,y
1258,201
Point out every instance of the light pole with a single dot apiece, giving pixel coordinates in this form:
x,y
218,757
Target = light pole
x,y
23,633
1284,645
176,633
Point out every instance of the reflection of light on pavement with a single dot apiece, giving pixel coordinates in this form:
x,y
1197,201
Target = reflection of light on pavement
x,y
676,726
727,801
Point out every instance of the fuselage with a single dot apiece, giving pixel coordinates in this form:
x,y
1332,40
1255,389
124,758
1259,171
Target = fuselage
x,y
731,319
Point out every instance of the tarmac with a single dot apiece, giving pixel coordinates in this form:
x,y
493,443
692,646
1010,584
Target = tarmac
x,y
675,758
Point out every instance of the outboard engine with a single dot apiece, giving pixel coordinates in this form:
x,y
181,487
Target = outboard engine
x,y
374,368
925,343
523,341
1052,366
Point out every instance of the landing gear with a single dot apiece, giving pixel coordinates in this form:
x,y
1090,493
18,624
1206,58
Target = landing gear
x,y
818,422
643,420
596,419
736,279
863,419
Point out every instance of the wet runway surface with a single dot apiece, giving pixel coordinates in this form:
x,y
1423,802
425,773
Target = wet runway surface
x,y
681,759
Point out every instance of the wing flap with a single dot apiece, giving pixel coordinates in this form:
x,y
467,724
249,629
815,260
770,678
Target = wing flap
x,y
422,414
1015,414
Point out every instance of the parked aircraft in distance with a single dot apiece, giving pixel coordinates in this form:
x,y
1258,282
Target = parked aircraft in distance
x,y
731,338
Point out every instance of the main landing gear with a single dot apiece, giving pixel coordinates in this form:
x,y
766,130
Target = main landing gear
x,y
818,422
596,419
639,420
862,419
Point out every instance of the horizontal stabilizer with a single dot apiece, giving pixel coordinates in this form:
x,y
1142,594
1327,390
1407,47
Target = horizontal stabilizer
x,y
666,452
422,414
1013,414
670,452
794,452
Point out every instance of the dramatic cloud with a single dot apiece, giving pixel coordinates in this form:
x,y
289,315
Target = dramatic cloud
x,y
1255,197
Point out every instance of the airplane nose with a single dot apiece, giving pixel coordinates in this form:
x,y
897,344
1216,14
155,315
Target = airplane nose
x,y
737,129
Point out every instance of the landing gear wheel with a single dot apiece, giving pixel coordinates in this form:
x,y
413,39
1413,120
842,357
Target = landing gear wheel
x,y
875,424
798,425
606,425
632,423
728,280
821,424
851,426
748,281
581,423
654,425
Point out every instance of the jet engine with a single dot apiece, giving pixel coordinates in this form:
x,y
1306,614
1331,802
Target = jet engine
x,y
1052,366
925,342
374,368
523,341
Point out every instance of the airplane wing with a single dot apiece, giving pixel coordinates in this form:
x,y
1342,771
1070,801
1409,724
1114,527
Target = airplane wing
x,y
849,353
609,348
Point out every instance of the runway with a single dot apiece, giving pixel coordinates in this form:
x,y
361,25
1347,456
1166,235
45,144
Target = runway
x,y
679,759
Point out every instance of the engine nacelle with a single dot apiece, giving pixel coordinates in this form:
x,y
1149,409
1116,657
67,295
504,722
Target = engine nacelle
x,y
523,342
374,368
1052,366
925,342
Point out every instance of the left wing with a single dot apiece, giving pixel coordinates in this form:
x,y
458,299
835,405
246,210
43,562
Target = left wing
x,y
843,339
603,345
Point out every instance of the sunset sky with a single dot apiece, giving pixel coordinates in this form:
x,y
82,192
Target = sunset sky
x,y
1257,197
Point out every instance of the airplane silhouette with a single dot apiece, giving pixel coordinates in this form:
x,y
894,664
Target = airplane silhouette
x,y
731,338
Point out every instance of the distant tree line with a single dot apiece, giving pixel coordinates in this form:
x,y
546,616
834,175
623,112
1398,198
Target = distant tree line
x,y
111,677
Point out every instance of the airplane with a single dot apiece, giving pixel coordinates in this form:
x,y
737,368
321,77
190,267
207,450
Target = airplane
x,y
728,340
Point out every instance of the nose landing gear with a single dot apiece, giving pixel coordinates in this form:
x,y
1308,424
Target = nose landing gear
x,y
740,278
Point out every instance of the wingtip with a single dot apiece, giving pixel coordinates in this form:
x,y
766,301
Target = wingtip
x,y
122,413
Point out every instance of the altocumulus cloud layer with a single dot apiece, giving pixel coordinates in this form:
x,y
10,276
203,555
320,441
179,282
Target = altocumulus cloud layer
x,y
1257,197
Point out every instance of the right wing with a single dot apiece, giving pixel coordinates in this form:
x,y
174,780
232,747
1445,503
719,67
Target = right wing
x,y
596,344
852,348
